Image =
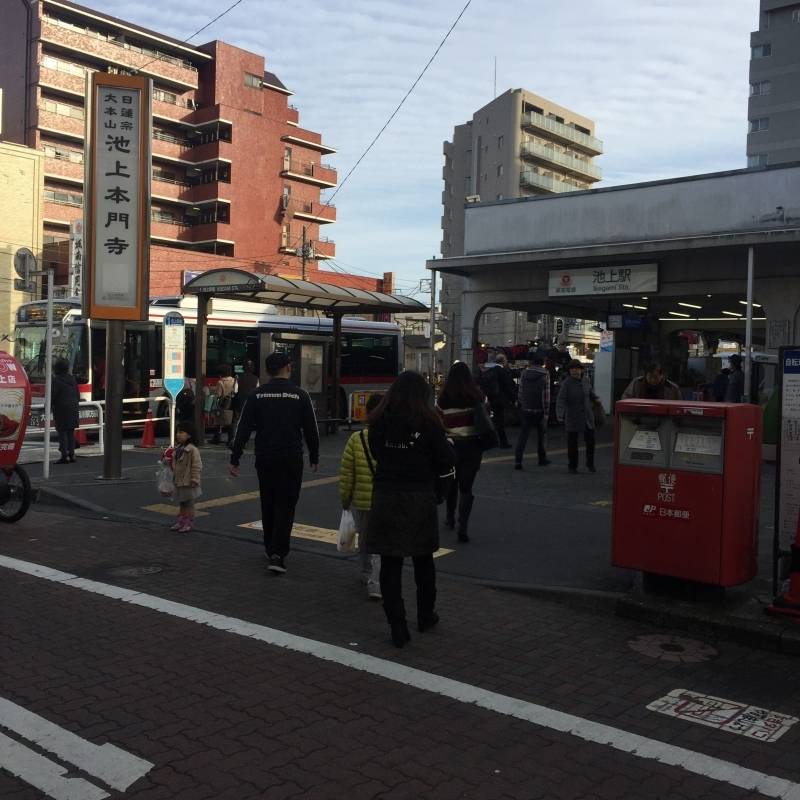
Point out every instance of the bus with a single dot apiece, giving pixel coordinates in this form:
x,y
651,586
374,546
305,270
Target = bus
x,y
371,352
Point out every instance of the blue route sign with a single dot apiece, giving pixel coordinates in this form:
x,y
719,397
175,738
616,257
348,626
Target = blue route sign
x,y
174,353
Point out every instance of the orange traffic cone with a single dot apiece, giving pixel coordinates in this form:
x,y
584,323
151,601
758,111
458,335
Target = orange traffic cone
x,y
80,437
789,604
149,432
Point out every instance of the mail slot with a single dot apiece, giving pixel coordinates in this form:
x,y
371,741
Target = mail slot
x,y
686,489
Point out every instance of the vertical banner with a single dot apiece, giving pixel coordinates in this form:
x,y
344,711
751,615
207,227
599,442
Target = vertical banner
x,y
76,260
174,353
787,488
119,208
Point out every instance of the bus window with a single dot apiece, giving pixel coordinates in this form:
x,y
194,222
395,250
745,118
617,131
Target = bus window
x,y
230,346
369,355
69,343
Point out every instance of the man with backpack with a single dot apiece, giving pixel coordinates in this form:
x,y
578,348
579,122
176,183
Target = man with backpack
x,y
534,407
497,384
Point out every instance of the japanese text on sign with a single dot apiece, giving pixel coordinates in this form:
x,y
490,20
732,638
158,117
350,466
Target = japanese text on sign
x,y
117,196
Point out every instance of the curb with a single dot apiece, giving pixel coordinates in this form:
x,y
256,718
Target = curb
x,y
48,496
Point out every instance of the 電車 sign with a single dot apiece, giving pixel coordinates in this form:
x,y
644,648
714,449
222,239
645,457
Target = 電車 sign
x,y
118,285
598,281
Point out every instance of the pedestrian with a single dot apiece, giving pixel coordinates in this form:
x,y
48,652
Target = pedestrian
x,y
225,391
497,384
187,472
282,415
412,454
356,475
65,400
246,383
534,407
574,407
734,392
457,406
719,387
652,385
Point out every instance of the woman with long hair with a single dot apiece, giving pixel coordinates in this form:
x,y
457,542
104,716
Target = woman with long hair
x,y
456,406
411,452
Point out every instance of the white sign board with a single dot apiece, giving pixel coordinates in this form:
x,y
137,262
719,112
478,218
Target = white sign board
x,y
645,440
601,281
698,443
789,482
174,353
76,259
726,715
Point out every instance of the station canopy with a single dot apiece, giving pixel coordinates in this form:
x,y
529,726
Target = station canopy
x,y
236,284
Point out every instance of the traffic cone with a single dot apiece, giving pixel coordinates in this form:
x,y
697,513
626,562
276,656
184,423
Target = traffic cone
x,y
789,604
149,432
80,437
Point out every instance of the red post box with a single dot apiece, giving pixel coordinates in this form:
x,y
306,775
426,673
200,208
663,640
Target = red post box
x,y
686,489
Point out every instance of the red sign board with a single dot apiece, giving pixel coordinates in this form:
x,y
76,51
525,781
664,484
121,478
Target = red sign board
x,y
15,404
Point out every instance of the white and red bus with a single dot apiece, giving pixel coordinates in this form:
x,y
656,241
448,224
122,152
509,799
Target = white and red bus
x,y
371,352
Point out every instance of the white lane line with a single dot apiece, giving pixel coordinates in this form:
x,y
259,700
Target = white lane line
x,y
107,762
595,732
43,774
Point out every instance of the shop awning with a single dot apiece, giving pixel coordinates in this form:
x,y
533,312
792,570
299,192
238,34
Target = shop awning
x,y
236,284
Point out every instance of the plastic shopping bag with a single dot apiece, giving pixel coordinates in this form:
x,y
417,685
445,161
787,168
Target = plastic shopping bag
x,y
346,541
166,486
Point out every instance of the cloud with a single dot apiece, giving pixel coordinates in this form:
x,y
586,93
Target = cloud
x,y
665,81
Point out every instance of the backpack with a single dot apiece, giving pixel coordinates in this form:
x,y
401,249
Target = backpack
x,y
532,390
489,381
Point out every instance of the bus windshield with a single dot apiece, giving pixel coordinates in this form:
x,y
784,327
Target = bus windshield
x,y
69,343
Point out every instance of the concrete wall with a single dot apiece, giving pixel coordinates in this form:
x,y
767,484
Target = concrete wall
x,y
736,201
21,187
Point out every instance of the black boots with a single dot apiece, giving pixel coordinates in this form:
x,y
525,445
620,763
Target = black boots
x,y
396,617
464,508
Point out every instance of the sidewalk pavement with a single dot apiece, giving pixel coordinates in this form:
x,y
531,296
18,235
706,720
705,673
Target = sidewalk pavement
x,y
217,713
539,531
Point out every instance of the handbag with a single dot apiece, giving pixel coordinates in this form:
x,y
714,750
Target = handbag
x,y
484,427
346,538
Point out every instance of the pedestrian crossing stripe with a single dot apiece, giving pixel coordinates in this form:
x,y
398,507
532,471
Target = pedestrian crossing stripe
x,y
317,534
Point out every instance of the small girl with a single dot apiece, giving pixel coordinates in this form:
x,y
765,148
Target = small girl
x,y
187,469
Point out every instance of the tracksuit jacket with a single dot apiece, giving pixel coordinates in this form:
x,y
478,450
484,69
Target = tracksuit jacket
x,y
282,415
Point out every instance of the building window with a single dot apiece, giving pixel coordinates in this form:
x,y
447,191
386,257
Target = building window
x,y
63,154
63,198
499,197
795,15
760,88
499,170
757,160
165,97
500,142
761,51
64,109
253,81
759,124
467,183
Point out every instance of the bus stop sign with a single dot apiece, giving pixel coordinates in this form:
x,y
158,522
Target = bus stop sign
x,y
174,353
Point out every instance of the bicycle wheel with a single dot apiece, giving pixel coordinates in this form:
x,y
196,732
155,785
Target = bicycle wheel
x,y
19,495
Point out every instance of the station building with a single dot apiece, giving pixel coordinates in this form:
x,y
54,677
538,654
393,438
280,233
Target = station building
x,y
663,264
236,181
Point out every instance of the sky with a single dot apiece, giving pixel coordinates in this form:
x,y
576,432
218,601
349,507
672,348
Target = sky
x,y
666,82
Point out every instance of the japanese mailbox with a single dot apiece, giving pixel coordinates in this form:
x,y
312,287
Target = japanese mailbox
x,y
686,489
15,407
119,211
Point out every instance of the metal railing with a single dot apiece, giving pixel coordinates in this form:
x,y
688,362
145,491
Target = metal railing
x,y
565,160
530,178
535,120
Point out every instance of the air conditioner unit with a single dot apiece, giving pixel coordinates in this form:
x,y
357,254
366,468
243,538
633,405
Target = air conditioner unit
x,y
472,198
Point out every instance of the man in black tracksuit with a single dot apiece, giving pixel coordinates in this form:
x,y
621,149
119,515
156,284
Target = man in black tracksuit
x,y
281,415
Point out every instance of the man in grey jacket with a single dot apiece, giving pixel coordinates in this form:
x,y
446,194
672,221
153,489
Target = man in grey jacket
x,y
534,408
574,409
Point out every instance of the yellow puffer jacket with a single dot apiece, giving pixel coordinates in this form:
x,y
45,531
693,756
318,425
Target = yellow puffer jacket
x,y
355,476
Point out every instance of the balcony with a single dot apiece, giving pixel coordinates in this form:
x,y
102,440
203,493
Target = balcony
x,y
292,115
324,248
575,166
211,151
564,133
67,82
169,189
81,40
531,180
305,138
170,147
62,212
309,172
60,123
175,112
313,212
175,231
63,168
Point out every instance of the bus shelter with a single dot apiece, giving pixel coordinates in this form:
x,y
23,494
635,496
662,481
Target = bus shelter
x,y
334,301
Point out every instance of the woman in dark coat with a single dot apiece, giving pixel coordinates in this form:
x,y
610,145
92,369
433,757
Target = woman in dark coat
x,y
64,401
411,451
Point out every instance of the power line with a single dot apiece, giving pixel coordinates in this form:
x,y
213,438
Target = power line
x,y
400,104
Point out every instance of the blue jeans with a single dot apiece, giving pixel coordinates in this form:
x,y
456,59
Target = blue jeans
x,y
528,420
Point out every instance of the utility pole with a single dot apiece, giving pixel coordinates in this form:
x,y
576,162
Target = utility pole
x,y
307,252
433,328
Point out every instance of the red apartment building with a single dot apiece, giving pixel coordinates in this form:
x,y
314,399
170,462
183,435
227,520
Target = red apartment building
x,y
235,178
